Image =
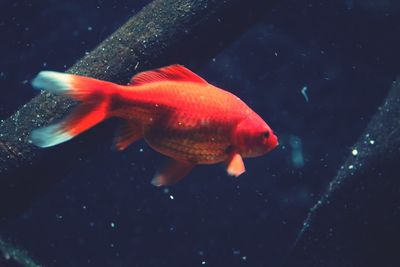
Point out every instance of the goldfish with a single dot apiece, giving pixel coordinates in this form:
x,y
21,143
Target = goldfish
x,y
176,112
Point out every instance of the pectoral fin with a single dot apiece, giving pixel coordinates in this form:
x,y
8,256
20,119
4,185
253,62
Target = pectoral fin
x,y
128,132
235,165
173,172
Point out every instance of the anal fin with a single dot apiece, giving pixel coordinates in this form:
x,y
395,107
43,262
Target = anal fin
x,y
235,165
173,172
127,133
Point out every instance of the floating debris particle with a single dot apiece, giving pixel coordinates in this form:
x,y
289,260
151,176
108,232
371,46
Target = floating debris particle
x,y
112,224
171,196
304,93
297,151
354,152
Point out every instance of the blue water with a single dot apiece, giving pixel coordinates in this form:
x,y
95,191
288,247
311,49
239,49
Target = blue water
x,y
315,70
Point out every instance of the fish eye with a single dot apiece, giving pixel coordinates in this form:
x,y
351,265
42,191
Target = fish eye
x,y
266,134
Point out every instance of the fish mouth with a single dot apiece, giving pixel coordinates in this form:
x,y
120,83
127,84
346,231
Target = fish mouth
x,y
274,142
270,144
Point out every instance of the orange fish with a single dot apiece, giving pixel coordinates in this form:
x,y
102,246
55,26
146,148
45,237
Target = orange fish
x,y
177,112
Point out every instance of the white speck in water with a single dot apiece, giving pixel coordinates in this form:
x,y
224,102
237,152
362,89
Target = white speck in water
x,y
141,150
203,262
112,224
244,258
90,28
354,152
171,196
351,167
276,54
236,251
371,142
304,93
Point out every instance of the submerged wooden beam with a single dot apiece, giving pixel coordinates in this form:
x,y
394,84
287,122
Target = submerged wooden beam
x,y
355,223
188,32
13,256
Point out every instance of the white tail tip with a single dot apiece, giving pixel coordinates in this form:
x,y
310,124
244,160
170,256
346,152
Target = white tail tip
x,y
55,82
49,136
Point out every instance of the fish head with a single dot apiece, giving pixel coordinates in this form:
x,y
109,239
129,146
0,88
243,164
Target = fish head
x,y
253,137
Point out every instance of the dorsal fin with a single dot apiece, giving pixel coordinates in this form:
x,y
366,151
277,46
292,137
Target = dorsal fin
x,y
170,73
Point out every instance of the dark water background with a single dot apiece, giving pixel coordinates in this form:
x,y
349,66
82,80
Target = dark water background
x,y
344,52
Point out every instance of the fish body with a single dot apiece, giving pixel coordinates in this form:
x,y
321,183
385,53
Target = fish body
x,y
178,113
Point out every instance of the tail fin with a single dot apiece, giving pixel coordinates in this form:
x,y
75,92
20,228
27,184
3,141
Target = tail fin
x,y
95,98
74,86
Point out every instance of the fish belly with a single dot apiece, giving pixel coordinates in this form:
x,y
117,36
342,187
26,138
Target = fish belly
x,y
197,140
